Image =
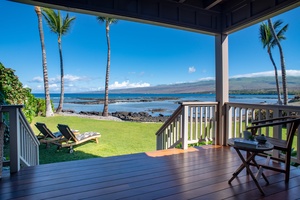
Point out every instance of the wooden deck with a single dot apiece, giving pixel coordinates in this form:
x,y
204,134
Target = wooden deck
x,y
197,173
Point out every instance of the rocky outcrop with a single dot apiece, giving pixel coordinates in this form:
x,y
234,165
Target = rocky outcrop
x,y
139,117
125,116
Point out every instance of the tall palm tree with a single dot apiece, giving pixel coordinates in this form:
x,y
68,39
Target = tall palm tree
x,y
59,26
268,42
108,21
283,69
49,111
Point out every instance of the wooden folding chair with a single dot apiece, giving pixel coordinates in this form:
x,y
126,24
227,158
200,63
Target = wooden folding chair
x,y
292,123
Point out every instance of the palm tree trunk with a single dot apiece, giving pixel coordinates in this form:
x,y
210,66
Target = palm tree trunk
x,y
105,106
283,71
276,77
62,90
49,111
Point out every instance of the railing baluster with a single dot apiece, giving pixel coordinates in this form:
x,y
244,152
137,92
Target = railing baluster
x,y
196,123
187,125
202,136
240,121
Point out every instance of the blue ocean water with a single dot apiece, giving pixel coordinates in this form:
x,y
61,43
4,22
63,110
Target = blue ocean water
x,y
168,105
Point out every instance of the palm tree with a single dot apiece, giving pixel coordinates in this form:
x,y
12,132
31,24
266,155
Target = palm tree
x,y
268,42
60,27
108,21
49,111
283,70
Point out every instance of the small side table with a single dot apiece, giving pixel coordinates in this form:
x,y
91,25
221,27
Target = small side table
x,y
251,153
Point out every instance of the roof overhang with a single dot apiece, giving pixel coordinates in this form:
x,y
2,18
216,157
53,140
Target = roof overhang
x,y
205,16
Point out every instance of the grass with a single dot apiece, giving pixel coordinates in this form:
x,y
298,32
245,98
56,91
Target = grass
x,y
117,138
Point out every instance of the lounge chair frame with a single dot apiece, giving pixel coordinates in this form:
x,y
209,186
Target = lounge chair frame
x,y
70,139
46,136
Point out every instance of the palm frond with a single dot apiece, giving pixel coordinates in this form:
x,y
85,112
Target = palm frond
x,y
265,35
51,19
56,23
107,19
67,21
279,32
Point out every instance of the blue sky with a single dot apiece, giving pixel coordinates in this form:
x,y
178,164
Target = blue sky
x,y
141,54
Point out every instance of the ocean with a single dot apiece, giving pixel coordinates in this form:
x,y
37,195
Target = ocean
x,y
146,102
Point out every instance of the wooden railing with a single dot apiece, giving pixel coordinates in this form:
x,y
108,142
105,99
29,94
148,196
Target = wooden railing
x,y
240,115
24,146
192,122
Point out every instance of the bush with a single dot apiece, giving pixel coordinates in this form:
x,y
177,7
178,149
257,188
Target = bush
x,y
12,92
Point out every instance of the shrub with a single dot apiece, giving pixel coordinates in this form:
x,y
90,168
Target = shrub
x,y
12,92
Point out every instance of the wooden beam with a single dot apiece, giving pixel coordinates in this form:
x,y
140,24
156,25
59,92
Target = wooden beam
x,y
212,4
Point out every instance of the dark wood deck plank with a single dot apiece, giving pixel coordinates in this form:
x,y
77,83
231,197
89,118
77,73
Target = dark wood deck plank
x,y
197,173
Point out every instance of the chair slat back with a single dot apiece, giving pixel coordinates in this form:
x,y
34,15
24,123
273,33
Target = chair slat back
x,y
44,130
291,132
66,132
292,123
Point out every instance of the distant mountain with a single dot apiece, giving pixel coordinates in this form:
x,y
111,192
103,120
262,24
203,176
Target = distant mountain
x,y
236,85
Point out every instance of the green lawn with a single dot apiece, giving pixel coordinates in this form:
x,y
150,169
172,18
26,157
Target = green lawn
x,y
117,138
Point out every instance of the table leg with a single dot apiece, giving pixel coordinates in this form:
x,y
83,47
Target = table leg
x,y
242,166
246,164
263,175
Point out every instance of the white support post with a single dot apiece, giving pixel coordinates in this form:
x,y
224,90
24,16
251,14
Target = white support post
x,y
14,128
222,86
185,127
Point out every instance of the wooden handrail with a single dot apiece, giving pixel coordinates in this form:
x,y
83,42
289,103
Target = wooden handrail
x,y
171,119
190,123
24,145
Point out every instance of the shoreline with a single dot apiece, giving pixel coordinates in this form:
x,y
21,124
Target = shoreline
x,y
91,101
117,116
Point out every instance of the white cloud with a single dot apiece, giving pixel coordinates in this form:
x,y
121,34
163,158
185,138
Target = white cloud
x,y
268,73
292,72
68,78
207,79
37,79
72,78
127,84
192,69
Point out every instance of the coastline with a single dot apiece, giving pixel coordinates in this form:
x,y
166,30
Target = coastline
x,y
117,116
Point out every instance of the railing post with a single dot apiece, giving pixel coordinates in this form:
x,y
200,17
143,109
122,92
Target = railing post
x,y
228,119
185,127
14,140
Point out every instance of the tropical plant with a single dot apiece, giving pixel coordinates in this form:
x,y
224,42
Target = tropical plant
x,y
267,40
48,108
283,69
108,21
60,26
13,93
